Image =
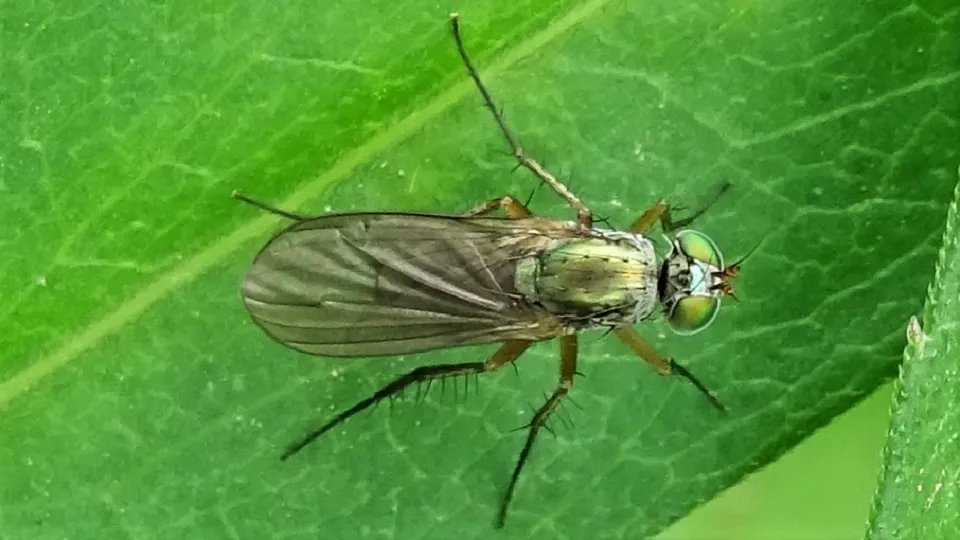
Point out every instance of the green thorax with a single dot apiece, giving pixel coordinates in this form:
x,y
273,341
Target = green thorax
x,y
607,279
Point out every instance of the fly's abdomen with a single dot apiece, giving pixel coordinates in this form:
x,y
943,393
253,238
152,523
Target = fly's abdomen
x,y
595,275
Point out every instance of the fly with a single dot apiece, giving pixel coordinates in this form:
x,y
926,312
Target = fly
x,y
388,283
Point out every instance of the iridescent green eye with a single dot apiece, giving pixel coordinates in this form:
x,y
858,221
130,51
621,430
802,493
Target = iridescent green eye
x,y
700,247
693,313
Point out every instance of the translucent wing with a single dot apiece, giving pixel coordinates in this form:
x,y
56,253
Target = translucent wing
x,y
383,284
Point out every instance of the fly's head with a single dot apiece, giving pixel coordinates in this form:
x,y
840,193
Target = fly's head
x,y
692,281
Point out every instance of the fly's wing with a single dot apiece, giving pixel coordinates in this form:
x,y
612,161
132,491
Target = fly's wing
x,y
384,284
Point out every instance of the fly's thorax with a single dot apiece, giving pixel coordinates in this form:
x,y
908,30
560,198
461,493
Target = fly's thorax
x,y
608,278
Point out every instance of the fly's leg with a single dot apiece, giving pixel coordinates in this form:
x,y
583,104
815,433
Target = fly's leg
x,y
511,207
568,368
507,353
584,214
665,366
273,210
661,211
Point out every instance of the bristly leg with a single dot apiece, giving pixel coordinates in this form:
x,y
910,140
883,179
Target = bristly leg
x,y
507,353
523,159
568,366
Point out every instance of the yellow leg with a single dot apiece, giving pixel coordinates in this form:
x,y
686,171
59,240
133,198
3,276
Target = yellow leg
x,y
665,366
510,205
661,211
648,218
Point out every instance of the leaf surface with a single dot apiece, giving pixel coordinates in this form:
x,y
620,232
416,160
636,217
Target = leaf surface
x,y
137,400
918,495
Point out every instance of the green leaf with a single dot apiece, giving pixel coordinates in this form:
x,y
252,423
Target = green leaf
x,y
918,493
139,401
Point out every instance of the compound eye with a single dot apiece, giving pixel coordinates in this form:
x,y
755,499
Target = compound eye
x,y
692,314
700,247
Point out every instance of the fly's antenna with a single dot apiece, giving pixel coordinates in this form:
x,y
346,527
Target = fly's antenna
x,y
732,270
269,208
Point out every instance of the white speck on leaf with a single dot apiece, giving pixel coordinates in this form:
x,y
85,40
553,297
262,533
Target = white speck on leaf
x,y
936,489
32,144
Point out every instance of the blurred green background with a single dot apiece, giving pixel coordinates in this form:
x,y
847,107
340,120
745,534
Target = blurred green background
x,y
820,490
